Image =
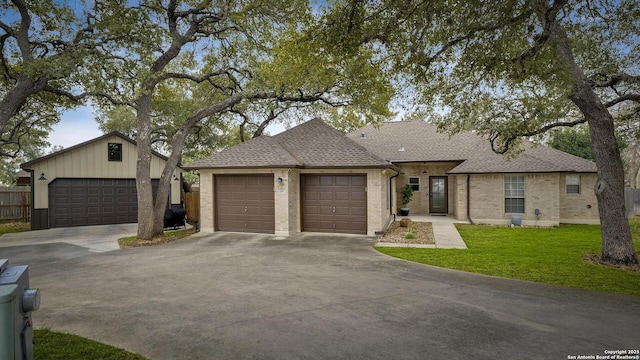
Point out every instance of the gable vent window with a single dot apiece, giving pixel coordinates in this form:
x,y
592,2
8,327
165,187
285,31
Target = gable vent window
x,y
573,184
415,183
115,152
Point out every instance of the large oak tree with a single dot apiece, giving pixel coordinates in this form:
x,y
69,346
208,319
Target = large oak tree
x,y
221,54
516,68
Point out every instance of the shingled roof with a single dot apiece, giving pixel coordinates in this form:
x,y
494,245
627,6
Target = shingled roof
x,y
313,144
420,142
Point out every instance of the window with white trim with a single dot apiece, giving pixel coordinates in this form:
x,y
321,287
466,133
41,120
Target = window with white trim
x,y
514,194
415,183
572,184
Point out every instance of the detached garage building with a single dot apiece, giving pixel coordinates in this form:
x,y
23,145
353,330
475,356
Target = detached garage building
x,y
92,183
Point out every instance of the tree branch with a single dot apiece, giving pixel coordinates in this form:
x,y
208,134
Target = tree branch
x,y
613,80
507,142
626,97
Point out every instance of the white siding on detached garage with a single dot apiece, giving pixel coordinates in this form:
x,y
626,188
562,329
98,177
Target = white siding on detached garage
x,y
91,161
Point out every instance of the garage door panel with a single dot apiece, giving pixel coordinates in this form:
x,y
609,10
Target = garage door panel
x,y
343,196
334,203
351,227
245,203
342,181
358,181
359,196
360,211
310,195
326,195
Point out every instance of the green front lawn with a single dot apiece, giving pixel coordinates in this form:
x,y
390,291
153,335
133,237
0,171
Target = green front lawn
x,y
51,345
548,255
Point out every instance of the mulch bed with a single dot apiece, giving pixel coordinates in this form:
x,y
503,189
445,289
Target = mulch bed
x,y
595,259
396,234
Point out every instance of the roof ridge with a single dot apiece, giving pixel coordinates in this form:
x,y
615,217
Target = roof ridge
x,y
87,142
283,147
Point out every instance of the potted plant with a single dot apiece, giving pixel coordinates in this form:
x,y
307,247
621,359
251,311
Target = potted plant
x,y
407,195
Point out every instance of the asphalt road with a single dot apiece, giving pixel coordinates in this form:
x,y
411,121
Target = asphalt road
x,y
244,296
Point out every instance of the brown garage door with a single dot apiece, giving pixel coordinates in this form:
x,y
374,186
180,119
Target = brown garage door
x,y
334,203
245,203
80,202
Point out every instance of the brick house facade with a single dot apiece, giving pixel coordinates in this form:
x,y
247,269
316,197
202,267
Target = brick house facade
x,y
314,178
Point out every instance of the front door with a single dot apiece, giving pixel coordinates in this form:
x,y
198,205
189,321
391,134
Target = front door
x,y
438,194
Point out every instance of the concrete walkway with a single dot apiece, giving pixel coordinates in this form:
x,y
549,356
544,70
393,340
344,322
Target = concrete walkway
x,y
445,233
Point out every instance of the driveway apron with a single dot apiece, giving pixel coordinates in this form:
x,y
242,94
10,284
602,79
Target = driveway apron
x,y
248,296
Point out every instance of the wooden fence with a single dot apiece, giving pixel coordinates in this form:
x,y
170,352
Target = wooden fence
x,y
632,201
15,203
192,206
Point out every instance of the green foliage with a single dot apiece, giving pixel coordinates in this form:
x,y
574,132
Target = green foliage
x,y
495,67
577,141
547,255
52,345
411,232
43,46
574,141
14,227
407,194
270,55
10,166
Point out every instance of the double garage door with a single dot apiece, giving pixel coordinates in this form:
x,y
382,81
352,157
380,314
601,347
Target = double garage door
x,y
80,202
329,203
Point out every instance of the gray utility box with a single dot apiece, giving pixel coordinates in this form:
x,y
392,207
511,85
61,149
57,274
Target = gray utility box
x,y
17,302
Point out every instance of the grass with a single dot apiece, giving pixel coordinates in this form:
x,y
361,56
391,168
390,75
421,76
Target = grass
x,y
13,227
51,345
132,241
548,255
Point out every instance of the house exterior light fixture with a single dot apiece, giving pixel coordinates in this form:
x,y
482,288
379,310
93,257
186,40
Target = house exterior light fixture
x,y
42,177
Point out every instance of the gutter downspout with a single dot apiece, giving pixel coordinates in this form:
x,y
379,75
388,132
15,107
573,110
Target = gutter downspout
x,y
469,199
32,195
391,195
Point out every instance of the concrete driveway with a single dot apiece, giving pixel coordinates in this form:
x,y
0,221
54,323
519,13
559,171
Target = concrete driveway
x,y
242,296
43,246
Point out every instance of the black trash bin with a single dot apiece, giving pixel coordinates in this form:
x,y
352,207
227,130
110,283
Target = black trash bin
x,y
175,218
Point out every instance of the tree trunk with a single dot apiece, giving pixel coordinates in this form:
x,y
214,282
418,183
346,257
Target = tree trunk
x,y
162,196
617,244
143,169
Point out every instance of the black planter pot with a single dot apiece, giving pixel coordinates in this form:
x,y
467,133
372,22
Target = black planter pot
x,y
404,211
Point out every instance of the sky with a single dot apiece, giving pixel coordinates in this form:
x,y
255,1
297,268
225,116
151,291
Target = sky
x,y
76,126
79,125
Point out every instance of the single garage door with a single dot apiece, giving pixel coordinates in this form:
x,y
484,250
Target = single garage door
x,y
245,203
334,203
80,202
